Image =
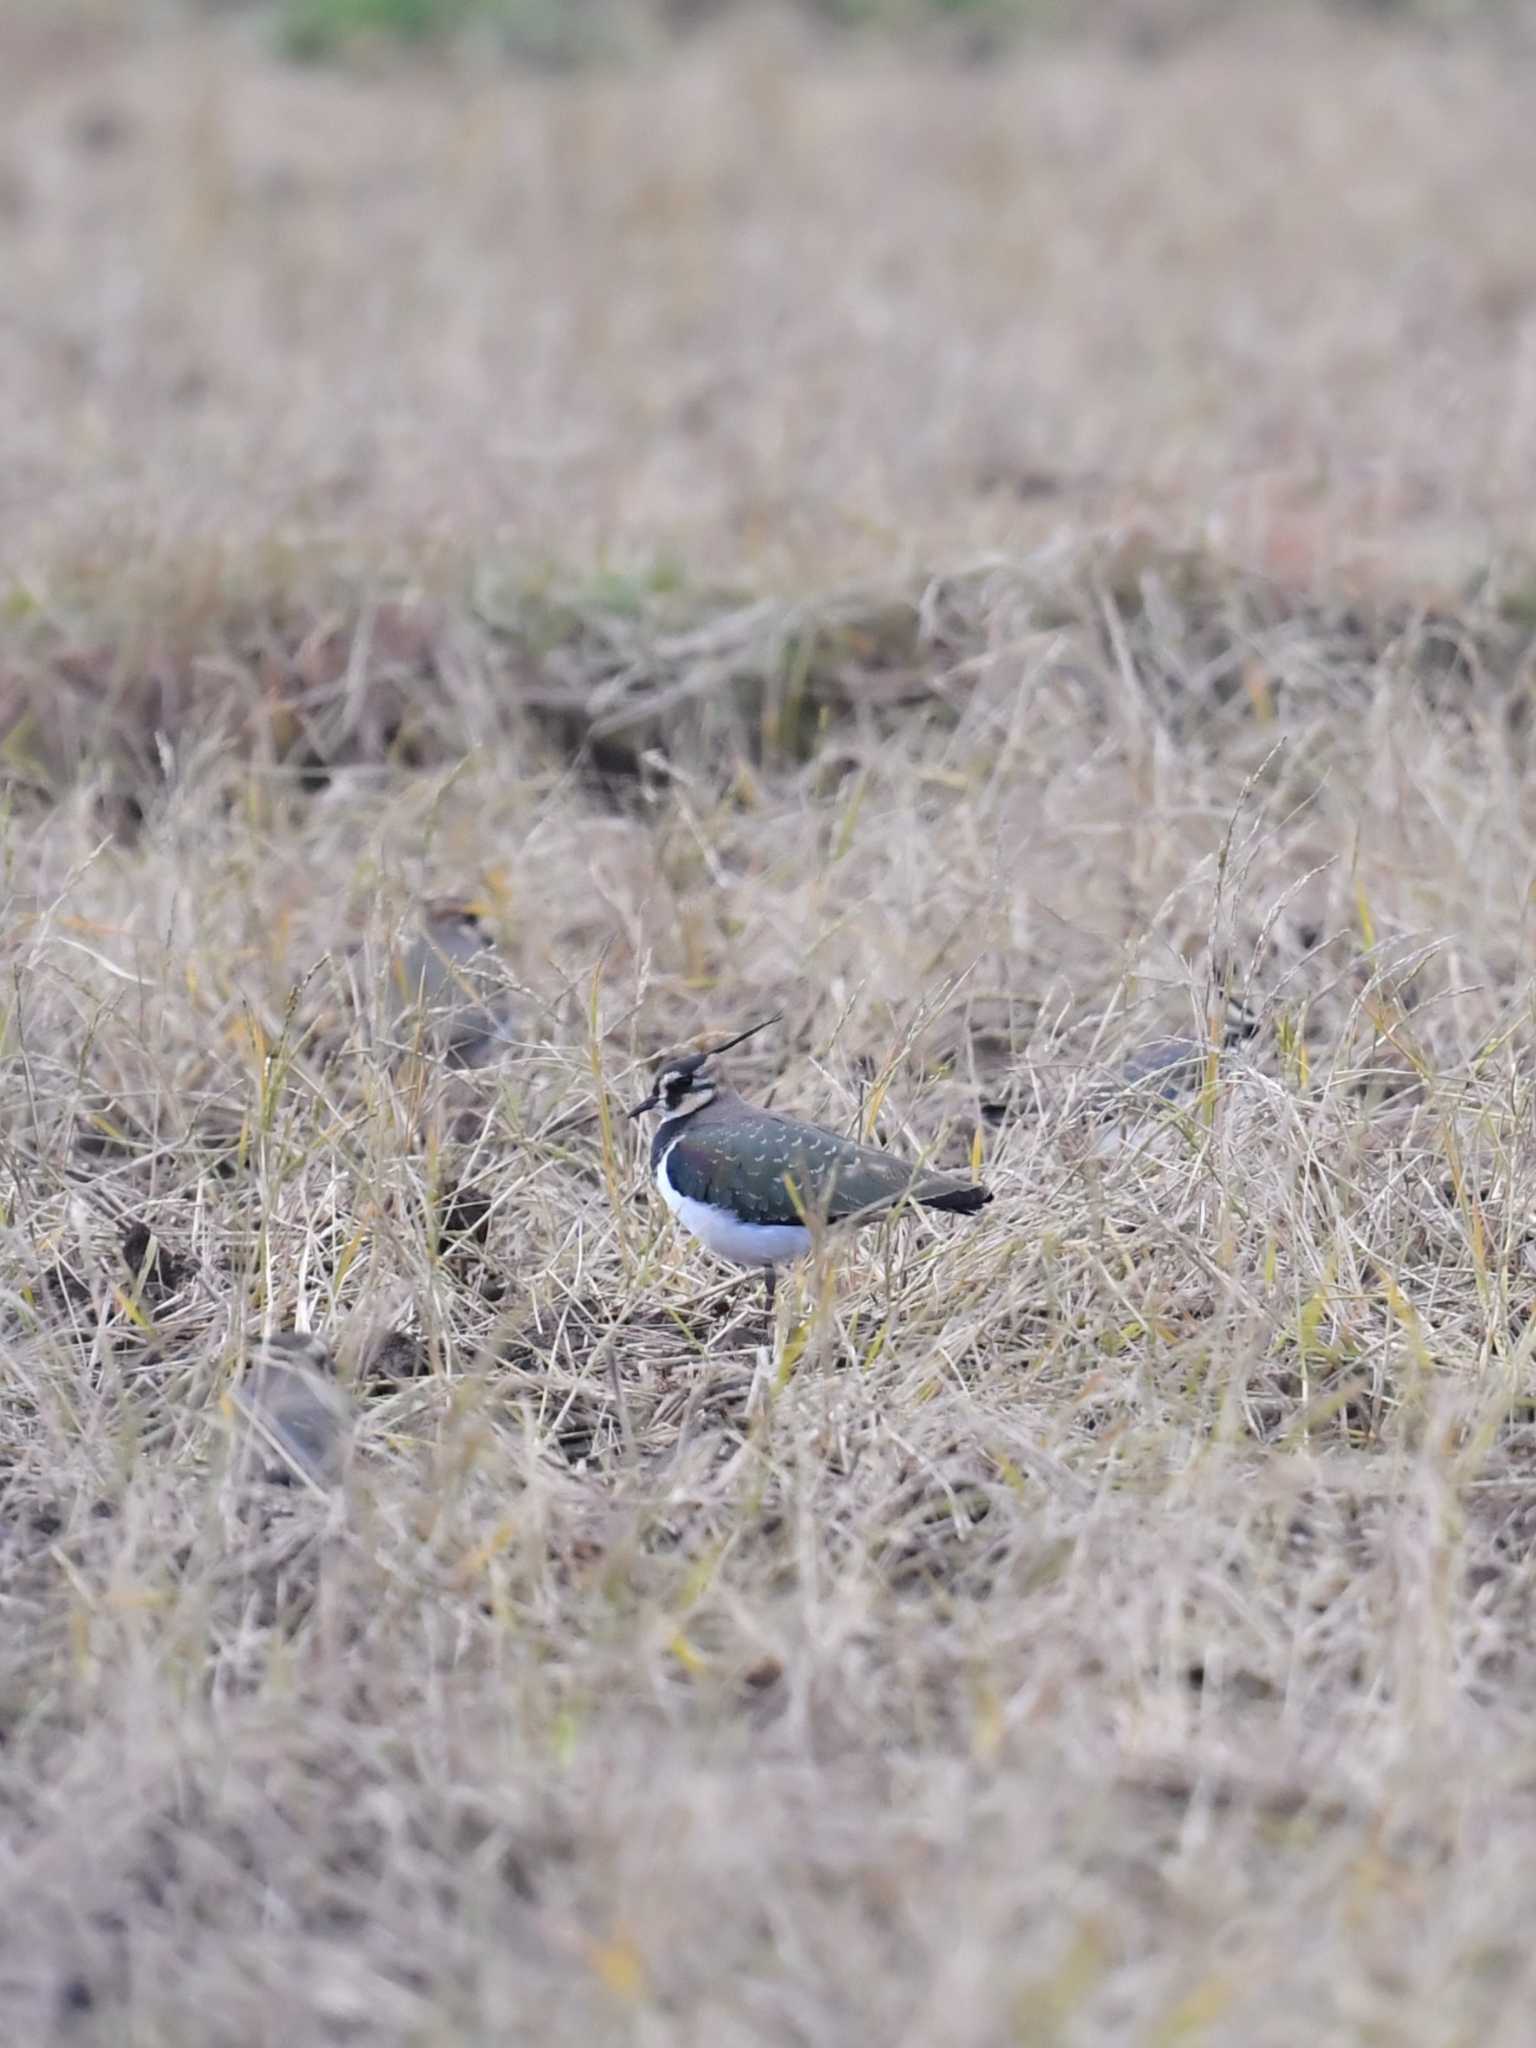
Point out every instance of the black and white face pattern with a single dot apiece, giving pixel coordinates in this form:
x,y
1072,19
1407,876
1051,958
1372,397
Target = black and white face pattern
x,y
682,1086
682,1089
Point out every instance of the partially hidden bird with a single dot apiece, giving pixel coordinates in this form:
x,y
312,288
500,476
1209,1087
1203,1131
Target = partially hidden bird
x,y
1165,1072
448,979
750,1184
298,1416
1169,1068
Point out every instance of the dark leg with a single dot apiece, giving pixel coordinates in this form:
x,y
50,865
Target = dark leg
x,y
770,1281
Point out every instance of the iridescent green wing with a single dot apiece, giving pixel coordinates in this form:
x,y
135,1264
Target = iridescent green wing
x,y
770,1169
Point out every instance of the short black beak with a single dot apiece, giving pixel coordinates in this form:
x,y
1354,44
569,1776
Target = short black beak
x,y
650,1102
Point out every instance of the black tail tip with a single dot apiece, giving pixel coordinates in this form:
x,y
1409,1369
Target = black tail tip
x,y
960,1201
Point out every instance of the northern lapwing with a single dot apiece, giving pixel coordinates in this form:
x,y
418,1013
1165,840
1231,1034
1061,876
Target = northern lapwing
x,y
298,1416
1164,1072
751,1184
1169,1068
448,980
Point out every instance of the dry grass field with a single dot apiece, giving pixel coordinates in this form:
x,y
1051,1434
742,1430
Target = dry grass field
x,y
962,554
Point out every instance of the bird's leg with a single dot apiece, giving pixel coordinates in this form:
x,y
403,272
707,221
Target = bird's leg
x,y
770,1281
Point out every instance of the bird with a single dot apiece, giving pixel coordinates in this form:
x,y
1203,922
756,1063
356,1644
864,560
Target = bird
x,y
447,978
749,1183
1164,1071
295,1408
1170,1067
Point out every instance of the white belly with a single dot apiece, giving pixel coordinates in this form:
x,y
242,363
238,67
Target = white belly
x,y
746,1244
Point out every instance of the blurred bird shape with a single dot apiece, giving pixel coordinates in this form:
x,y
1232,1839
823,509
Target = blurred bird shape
x,y
448,981
1165,1071
298,1416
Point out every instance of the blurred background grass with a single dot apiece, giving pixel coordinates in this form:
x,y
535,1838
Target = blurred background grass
x,y
777,296
576,31
566,33
573,29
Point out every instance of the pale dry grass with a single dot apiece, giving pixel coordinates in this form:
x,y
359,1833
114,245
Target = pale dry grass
x,y
774,307
1106,1620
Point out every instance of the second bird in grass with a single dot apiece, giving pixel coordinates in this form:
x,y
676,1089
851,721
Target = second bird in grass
x,y
448,987
298,1415
748,1182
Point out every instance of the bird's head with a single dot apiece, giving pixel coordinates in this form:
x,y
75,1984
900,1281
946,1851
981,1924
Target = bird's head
x,y
685,1084
456,923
